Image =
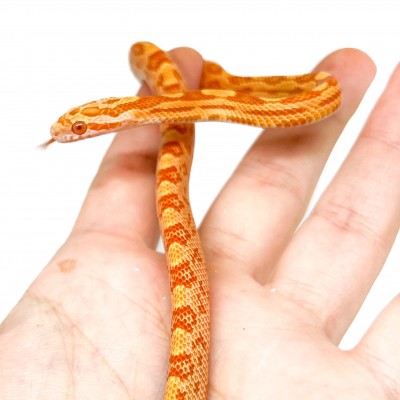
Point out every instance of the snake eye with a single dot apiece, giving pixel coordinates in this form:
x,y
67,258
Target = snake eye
x,y
79,128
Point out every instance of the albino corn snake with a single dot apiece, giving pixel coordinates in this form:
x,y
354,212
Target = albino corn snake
x,y
284,101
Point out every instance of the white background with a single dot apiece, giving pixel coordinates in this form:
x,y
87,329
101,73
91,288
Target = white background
x,y
61,53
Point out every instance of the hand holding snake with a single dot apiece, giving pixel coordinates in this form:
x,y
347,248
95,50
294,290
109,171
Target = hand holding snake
x,y
280,303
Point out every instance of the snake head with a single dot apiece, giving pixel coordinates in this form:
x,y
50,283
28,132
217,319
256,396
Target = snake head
x,y
91,119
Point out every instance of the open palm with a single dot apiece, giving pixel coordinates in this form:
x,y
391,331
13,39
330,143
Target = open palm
x,y
95,323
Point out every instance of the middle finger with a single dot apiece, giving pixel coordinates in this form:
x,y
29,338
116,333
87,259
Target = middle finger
x,y
256,213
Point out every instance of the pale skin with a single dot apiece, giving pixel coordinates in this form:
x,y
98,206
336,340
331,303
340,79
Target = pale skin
x,y
95,322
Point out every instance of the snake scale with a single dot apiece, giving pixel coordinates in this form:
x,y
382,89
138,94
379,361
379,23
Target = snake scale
x,y
277,101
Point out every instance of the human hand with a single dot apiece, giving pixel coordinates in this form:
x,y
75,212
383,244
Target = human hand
x,y
95,323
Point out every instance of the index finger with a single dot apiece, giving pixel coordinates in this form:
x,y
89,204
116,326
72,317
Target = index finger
x,y
121,199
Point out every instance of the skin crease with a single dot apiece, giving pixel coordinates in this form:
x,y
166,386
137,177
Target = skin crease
x,y
95,323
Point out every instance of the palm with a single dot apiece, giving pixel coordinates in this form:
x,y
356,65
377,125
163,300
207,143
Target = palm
x,y
95,324
284,353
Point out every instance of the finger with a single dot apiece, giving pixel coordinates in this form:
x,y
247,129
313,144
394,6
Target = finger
x,y
258,210
380,347
121,199
339,251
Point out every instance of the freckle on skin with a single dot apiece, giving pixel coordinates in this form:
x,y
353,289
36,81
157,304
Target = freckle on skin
x,y
67,265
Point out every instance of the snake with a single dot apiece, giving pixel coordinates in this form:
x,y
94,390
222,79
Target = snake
x,y
265,102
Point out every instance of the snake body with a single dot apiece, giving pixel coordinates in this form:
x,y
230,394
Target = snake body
x,y
283,101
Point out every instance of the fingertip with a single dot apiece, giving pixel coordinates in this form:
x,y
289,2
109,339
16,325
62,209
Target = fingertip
x,y
350,67
190,63
355,71
348,59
